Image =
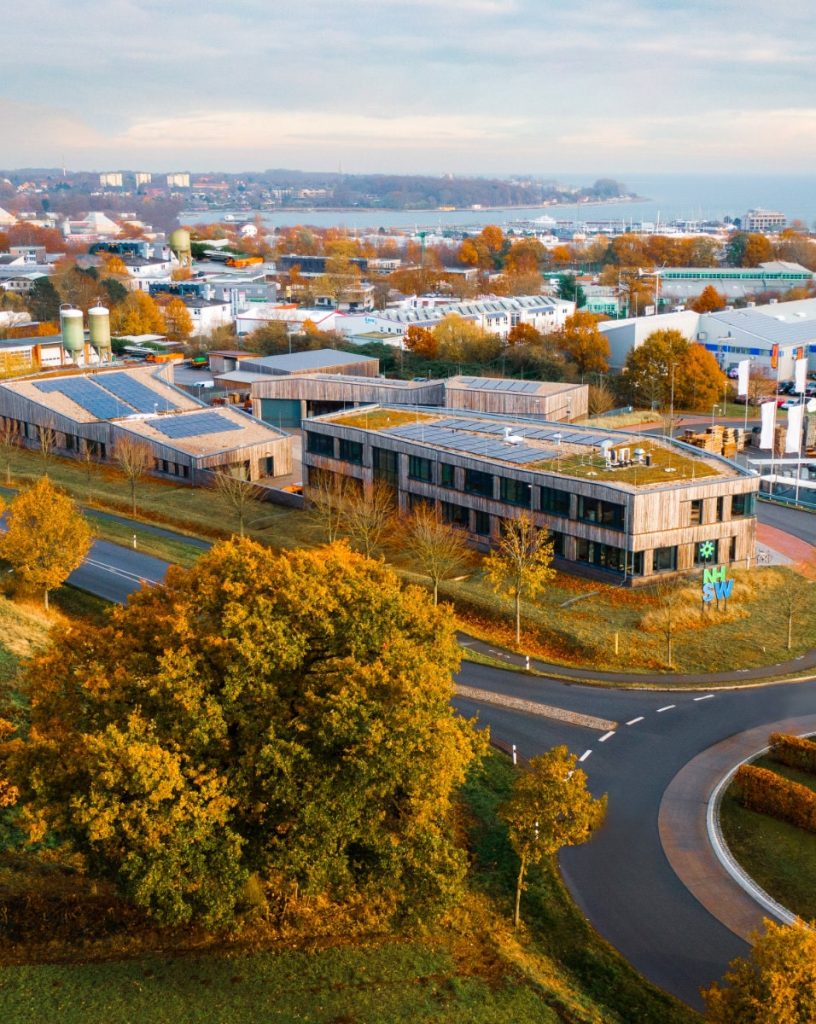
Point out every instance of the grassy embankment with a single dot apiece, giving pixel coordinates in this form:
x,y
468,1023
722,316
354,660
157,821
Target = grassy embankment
x,y
778,856
573,622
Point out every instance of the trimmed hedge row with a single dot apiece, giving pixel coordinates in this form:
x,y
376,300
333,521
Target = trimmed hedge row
x,y
765,791
793,751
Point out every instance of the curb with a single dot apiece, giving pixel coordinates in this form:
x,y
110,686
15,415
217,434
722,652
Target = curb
x,y
724,855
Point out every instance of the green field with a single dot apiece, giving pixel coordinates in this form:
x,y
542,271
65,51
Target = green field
x,y
779,857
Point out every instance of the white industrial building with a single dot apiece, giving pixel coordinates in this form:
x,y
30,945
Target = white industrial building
x,y
763,220
685,283
733,335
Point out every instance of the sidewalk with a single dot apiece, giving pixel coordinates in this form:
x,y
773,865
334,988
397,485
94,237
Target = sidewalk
x,y
785,549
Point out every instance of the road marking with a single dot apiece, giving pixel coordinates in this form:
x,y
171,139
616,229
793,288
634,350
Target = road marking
x,y
607,736
585,755
668,707
708,696
634,721
133,577
531,707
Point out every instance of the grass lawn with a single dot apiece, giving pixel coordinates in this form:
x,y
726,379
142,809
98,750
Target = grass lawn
x,y
778,856
667,464
385,984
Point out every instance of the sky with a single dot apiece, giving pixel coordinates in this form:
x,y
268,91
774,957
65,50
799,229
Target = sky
x,y
596,87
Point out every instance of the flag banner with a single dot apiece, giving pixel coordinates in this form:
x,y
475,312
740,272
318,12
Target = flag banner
x,y
793,438
774,357
768,410
743,372
800,375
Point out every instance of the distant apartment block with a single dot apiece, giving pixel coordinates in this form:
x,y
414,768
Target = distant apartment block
x,y
143,178
763,220
178,180
111,179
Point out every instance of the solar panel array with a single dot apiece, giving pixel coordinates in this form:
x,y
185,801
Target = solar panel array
x,y
142,398
472,444
87,395
499,384
589,439
193,424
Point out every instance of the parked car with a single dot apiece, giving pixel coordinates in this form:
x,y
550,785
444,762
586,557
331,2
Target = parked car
x,y
787,387
790,403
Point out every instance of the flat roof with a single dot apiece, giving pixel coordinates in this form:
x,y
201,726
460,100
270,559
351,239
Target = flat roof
x,y
550,447
508,384
198,434
312,359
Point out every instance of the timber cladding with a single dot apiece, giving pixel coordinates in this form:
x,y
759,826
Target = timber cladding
x,y
632,532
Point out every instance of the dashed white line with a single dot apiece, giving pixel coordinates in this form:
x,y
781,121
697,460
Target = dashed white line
x,y
668,707
585,755
708,696
607,736
634,721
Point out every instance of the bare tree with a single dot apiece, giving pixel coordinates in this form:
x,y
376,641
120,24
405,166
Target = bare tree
x,y
9,442
134,458
439,550
87,456
369,516
667,617
600,399
796,595
327,494
238,495
47,441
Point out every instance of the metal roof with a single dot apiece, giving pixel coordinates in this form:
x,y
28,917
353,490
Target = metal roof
x,y
309,360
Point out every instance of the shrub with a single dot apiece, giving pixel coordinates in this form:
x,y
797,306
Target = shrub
x,y
793,751
765,791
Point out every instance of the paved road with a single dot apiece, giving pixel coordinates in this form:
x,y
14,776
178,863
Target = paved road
x,y
794,521
622,880
113,572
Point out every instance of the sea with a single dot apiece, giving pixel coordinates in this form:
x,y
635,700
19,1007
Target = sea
x,y
664,198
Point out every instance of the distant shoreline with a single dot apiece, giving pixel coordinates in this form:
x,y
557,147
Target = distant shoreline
x,y
280,210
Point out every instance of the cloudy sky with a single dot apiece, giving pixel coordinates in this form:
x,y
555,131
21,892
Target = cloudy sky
x,y
481,86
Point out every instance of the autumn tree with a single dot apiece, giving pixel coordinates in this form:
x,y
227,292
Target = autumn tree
x,y
281,719
139,313
134,458
583,343
463,341
775,984
269,340
236,494
708,301
9,442
421,342
436,549
46,441
550,807
46,537
520,565
178,322
668,365
599,399
523,334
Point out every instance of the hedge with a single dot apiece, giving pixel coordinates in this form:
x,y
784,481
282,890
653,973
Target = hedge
x,y
765,791
793,751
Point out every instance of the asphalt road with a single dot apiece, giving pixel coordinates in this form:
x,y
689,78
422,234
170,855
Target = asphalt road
x,y
621,879
794,521
113,572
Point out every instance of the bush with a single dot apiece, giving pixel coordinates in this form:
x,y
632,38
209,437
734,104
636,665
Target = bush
x,y
793,751
765,791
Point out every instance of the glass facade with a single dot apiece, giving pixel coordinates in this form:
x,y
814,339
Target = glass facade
x,y
481,524
478,483
743,505
515,492
664,559
420,469
456,515
351,451
447,475
604,513
604,556
555,501
320,444
386,465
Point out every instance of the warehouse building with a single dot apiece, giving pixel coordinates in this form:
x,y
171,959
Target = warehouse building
x,y
618,506
92,412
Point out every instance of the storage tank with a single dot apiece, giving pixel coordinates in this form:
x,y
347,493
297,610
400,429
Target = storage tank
x,y
73,331
180,244
99,327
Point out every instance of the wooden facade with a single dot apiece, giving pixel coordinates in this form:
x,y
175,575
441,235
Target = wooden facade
x,y
549,401
657,529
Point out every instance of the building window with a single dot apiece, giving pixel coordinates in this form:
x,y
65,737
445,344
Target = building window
x,y
604,556
351,451
557,543
665,559
604,513
420,469
386,466
447,475
456,515
635,563
732,550
696,511
718,513
320,444
705,552
554,501
743,505
514,492
478,483
481,524
415,501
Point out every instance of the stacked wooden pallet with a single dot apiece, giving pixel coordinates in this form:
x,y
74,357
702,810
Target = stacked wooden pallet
x,y
718,440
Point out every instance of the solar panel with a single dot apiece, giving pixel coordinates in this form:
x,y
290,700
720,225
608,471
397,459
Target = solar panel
x,y
141,397
193,424
87,396
487,447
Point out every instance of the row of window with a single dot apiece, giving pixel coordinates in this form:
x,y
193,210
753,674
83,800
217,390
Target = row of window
x,y
741,505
